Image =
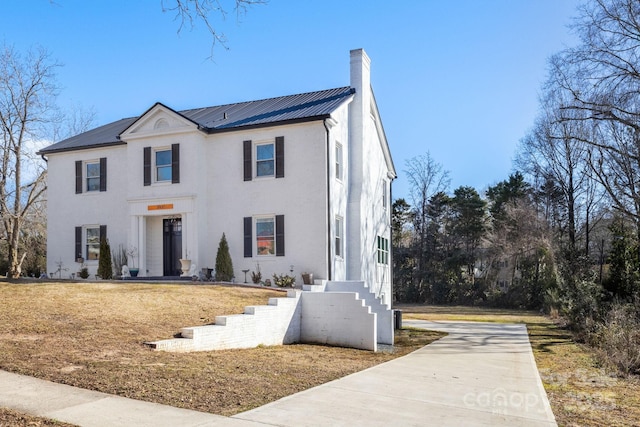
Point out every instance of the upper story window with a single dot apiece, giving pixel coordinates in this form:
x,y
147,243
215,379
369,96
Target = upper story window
x,y
385,195
265,160
339,162
91,175
163,165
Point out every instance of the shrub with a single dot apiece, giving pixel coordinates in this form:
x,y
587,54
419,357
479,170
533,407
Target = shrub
x,y
224,265
617,339
256,276
84,273
284,280
105,268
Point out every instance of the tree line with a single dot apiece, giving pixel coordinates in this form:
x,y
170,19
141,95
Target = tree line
x,y
562,233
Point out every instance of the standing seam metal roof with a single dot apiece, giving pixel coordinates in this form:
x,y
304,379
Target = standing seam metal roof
x,y
305,106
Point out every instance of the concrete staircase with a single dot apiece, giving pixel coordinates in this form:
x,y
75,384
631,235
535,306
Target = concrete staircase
x,y
272,324
336,313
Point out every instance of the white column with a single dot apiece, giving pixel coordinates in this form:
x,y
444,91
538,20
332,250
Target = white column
x,y
142,244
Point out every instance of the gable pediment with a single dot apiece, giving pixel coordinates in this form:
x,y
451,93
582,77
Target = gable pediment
x,y
158,120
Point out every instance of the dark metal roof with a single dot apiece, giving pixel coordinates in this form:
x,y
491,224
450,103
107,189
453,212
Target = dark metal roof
x,y
301,107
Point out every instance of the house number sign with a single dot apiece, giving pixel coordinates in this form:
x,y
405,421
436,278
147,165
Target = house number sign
x,y
160,207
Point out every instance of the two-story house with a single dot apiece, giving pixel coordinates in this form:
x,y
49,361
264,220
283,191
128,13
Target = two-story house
x,y
296,182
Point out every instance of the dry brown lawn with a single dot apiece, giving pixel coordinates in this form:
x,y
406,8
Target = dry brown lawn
x,y
91,335
581,393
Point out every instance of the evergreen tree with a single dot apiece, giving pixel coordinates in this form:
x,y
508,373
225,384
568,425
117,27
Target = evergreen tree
x,y
224,265
105,270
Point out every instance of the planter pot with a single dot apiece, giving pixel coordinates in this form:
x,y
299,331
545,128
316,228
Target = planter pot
x,y
185,266
307,278
134,272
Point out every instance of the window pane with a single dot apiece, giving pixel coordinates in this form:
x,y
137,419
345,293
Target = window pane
x,y
93,184
164,173
265,168
265,165
93,243
163,165
93,170
265,232
264,152
163,158
93,176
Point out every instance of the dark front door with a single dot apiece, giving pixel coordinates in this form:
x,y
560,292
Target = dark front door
x,y
172,246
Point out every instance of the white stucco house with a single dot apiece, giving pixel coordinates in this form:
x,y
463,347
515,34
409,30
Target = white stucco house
x,y
300,181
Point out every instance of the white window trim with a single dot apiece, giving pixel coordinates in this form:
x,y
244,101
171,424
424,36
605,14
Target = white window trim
x,y
85,243
255,235
339,237
257,144
86,175
154,170
339,148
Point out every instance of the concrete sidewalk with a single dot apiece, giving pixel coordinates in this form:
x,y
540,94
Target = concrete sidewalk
x,y
481,374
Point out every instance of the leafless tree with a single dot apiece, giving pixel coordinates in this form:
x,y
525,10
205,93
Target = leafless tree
x,y
27,94
602,76
188,12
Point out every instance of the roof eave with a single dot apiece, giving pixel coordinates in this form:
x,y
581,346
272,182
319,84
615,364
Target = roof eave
x,y
45,152
268,124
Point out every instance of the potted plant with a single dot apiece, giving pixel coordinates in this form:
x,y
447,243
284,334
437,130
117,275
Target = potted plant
x,y
132,254
307,278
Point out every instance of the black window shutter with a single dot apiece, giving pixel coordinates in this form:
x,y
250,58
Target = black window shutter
x,y
147,165
103,232
280,157
78,253
279,235
246,149
175,163
78,177
103,174
248,237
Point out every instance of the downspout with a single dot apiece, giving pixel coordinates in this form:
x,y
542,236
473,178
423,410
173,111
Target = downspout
x,y
329,222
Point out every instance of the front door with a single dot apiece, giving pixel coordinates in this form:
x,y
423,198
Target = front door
x,y
172,246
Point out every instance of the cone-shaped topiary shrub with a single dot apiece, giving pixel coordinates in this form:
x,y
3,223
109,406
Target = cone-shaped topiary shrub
x,y
105,270
224,265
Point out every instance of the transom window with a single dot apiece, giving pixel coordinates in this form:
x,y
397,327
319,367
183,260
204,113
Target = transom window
x,y
265,160
265,236
93,243
339,236
163,165
93,176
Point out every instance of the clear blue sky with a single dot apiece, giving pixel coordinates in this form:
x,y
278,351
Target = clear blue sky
x,y
459,79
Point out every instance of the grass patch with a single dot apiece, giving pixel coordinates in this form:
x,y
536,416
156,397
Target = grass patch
x,y
12,418
581,392
91,335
